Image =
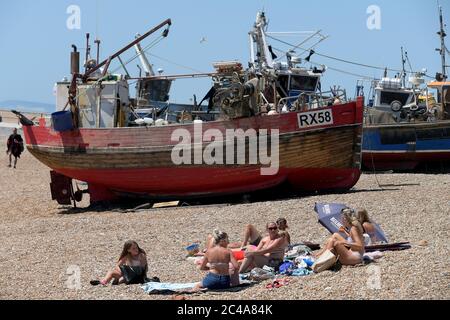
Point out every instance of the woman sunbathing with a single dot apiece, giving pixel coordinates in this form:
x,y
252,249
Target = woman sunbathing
x,y
350,251
270,250
367,225
253,237
131,267
217,261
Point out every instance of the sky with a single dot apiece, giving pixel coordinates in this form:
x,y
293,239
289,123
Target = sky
x,y
35,40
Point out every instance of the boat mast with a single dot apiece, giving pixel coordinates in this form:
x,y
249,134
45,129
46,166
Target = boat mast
x,y
403,69
442,35
145,64
258,36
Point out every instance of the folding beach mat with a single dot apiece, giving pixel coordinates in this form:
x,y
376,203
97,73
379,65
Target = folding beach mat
x,y
330,218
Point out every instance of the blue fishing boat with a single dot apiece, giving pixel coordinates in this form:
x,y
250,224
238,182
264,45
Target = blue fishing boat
x,y
408,126
420,134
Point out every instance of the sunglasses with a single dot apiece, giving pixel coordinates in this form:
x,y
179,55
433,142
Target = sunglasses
x,y
272,228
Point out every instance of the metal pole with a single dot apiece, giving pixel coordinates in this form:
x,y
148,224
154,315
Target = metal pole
x,y
123,66
97,42
145,64
252,50
442,35
403,70
87,53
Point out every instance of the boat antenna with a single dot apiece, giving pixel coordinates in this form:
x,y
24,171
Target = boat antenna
x,y
97,42
258,37
442,50
88,52
409,62
403,69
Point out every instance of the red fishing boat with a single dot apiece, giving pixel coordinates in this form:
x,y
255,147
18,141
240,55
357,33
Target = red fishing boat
x,y
260,130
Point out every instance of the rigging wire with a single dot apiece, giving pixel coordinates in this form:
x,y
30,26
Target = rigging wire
x,y
148,47
339,59
369,78
176,64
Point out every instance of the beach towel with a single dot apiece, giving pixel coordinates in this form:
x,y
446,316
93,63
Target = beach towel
x,y
169,288
301,272
166,287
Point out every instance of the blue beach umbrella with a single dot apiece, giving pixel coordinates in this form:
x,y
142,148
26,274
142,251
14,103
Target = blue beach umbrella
x,y
330,218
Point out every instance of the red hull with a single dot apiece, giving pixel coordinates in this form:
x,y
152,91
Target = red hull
x,y
175,183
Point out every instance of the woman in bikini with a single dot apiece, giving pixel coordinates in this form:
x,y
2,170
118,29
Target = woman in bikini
x,y
133,261
351,250
220,263
367,225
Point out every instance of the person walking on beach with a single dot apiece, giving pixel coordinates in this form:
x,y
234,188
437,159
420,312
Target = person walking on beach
x,y
14,147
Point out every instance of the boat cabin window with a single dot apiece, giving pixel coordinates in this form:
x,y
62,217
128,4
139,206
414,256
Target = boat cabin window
x,y
298,83
154,90
387,97
446,101
284,82
446,94
304,83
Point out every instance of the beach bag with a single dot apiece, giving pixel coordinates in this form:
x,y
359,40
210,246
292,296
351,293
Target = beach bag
x,y
324,262
133,275
258,274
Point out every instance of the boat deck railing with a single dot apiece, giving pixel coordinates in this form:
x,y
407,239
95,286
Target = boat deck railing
x,y
313,100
